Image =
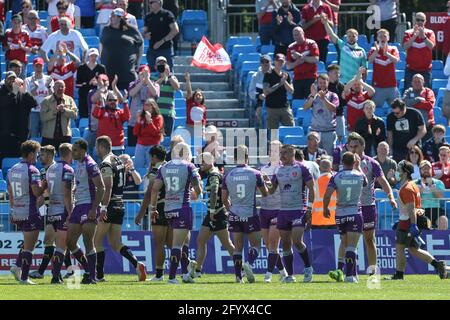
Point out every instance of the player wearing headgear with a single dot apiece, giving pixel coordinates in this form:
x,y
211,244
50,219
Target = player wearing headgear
x,y
112,210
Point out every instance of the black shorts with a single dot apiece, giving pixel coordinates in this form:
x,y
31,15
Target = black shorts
x,y
115,215
161,219
221,222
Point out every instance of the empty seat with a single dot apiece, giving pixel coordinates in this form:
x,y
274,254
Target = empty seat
x,y
194,24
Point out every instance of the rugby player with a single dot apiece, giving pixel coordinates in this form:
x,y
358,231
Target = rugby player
x,y
112,210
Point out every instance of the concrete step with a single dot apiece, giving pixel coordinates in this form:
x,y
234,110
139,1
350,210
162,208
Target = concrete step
x,y
204,77
182,68
182,60
222,103
208,86
211,95
229,123
225,113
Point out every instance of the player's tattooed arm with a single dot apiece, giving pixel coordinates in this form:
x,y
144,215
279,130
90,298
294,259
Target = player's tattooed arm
x,y
146,200
263,190
326,202
226,199
197,186
157,185
107,175
214,189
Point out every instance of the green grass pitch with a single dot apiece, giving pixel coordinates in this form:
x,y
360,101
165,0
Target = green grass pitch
x,y
219,287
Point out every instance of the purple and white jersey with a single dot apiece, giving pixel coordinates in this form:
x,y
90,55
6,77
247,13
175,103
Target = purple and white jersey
x,y
57,175
21,177
372,170
177,176
348,185
241,184
272,201
292,185
338,152
85,188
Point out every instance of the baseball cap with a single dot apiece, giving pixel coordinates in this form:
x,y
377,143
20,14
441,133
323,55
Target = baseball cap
x,y
266,57
161,58
211,129
92,51
10,74
119,12
16,63
143,67
103,77
280,56
38,61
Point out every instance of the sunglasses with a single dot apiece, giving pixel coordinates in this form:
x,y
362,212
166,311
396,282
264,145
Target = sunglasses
x,y
62,8
420,20
264,61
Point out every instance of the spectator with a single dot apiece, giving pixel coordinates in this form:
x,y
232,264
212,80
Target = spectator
x,y
62,7
132,178
96,97
389,11
87,13
121,48
59,69
2,34
87,75
73,39
276,85
315,15
324,104
15,106
431,146
111,118
37,33
16,67
255,89
419,43
40,86
431,190
172,6
351,56
149,130
388,165
195,108
139,91
441,169
312,152
131,19
356,93
334,85
405,128
284,20
420,98
16,44
168,84
214,145
264,11
302,56
53,11
160,27
446,100
415,156
27,6
105,9
384,58
371,128
57,111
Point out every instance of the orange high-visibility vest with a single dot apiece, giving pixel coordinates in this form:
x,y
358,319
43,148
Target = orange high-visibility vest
x,y
317,215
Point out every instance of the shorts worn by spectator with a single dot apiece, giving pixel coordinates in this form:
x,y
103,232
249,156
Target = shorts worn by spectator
x,y
371,128
264,10
431,146
277,84
284,20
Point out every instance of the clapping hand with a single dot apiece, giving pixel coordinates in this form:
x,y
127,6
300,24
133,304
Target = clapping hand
x,y
279,19
313,89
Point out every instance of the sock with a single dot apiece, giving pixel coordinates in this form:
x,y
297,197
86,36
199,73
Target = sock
x,y
280,265
27,257
81,258
19,259
350,261
48,254
305,257
399,273
341,263
237,260
100,266
271,261
159,272
175,256
252,255
67,260
184,259
355,266
434,263
128,254
92,261
288,260
57,262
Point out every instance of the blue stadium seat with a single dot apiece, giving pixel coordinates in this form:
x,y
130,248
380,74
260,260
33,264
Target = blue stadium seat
x,y
92,41
76,133
179,122
88,32
297,104
253,56
84,123
130,150
362,40
304,118
290,131
439,74
332,56
43,15
438,65
3,186
402,55
142,171
7,164
194,25
247,66
331,47
295,140
178,94
166,142
440,98
8,19
180,112
437,84
233,40
268,48
258,42
321,67
74,139
180,103
401,65
241,48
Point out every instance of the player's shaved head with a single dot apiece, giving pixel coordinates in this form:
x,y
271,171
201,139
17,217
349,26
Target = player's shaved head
x,y
206,158
28,147
348,159
48,150
105,143
325,165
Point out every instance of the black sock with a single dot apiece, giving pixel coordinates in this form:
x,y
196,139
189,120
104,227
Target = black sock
x,y
399,273
434,263
67,260
159,272
48,254
126,252
305,258
100,264
198,270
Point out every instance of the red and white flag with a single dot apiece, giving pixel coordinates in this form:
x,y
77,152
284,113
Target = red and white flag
x,y
211,57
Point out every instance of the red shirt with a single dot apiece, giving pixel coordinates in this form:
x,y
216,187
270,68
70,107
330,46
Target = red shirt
x,y
438,168
54,23
305,70
335,14
317,30
384,68
198,110
419,57
65,73
355,107
149,134
12,39
110,123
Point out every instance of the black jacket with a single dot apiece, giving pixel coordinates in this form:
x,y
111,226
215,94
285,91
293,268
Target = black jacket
x,y
320,152
372,140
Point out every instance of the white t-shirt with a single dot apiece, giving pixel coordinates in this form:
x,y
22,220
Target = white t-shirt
x,y
42,90
53,11
38,35
74,40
